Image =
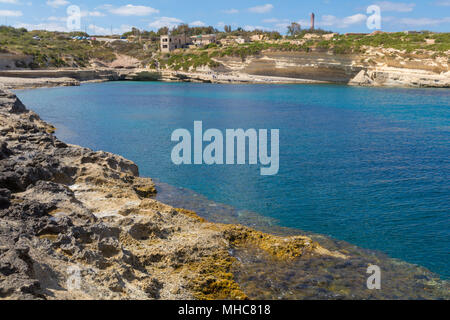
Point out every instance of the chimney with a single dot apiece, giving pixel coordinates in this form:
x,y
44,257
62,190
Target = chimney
x,y
313,17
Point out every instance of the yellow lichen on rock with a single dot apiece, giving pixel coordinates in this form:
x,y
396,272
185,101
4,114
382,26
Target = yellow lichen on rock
x,y
190,214
213,279
279,247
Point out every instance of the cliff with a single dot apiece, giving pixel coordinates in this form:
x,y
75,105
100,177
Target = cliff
x,y
26,79
372,67
79,224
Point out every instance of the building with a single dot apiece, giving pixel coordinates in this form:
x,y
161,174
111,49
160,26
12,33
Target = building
x,y
173,42
257,37
231,40
242,40
228,41
203,40
412,32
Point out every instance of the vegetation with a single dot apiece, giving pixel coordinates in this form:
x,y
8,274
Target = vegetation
x,y
147,76
184,61
52,49
58,49
339,44
294,29
346,44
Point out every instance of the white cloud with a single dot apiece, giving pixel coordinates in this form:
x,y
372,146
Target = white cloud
x,y
252,28
261,9
165,22
444,3
42,26
275,20
9,1
396,6
421,22
281,26
57,3
132,10
92,14
97,30
197,23
53,18
332,21
10,13
231,11
83,14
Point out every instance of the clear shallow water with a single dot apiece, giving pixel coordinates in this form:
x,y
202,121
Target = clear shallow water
x,y
366,165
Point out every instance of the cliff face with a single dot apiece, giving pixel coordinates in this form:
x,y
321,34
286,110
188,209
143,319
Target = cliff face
x,y
301,65
13,61
372,67
78,224
25,79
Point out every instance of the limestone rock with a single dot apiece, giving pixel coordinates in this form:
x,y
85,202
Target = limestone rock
x,y
80,224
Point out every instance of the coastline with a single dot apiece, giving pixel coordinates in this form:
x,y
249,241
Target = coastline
x,y
366,77
87,208
91,210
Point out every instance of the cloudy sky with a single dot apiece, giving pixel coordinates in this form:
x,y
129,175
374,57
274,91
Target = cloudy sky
x,y
102,16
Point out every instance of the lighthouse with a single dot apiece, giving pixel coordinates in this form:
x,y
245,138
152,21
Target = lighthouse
x,y
313,17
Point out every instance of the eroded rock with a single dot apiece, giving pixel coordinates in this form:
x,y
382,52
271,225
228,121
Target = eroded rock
x,y
80,224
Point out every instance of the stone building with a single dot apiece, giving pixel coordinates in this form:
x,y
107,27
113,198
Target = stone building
x,y
173,42
203,39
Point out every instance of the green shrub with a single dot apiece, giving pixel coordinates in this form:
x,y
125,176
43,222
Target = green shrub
x,y
147,76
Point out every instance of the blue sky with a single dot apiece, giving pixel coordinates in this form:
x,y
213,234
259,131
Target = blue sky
x,y
100,16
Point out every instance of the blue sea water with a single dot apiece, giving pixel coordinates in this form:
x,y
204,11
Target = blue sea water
x,y
370,166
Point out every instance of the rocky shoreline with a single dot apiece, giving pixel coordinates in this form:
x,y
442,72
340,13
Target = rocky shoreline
x,y
257,71
30,79
79,224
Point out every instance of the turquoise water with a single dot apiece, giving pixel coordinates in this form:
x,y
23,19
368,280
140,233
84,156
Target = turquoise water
x,y
370,166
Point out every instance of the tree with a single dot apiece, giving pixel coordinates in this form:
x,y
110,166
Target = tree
x,y
135,31
294,29
181,29
163,31
227,29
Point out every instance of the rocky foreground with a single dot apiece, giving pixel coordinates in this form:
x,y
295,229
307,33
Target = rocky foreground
x,y
78,224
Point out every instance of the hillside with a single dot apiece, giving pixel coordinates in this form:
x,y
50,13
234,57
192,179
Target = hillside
x,y
378,59
419,59
20,48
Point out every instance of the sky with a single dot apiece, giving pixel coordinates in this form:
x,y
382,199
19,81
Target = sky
x,y
104,16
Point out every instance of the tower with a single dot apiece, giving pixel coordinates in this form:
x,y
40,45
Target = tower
x,y
313,17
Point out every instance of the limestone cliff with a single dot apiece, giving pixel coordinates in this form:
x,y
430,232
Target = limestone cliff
x,y
372,67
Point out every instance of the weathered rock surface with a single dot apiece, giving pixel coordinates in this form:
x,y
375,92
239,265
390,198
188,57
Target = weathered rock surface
x,y
371,67
79,224
26,79
397,77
